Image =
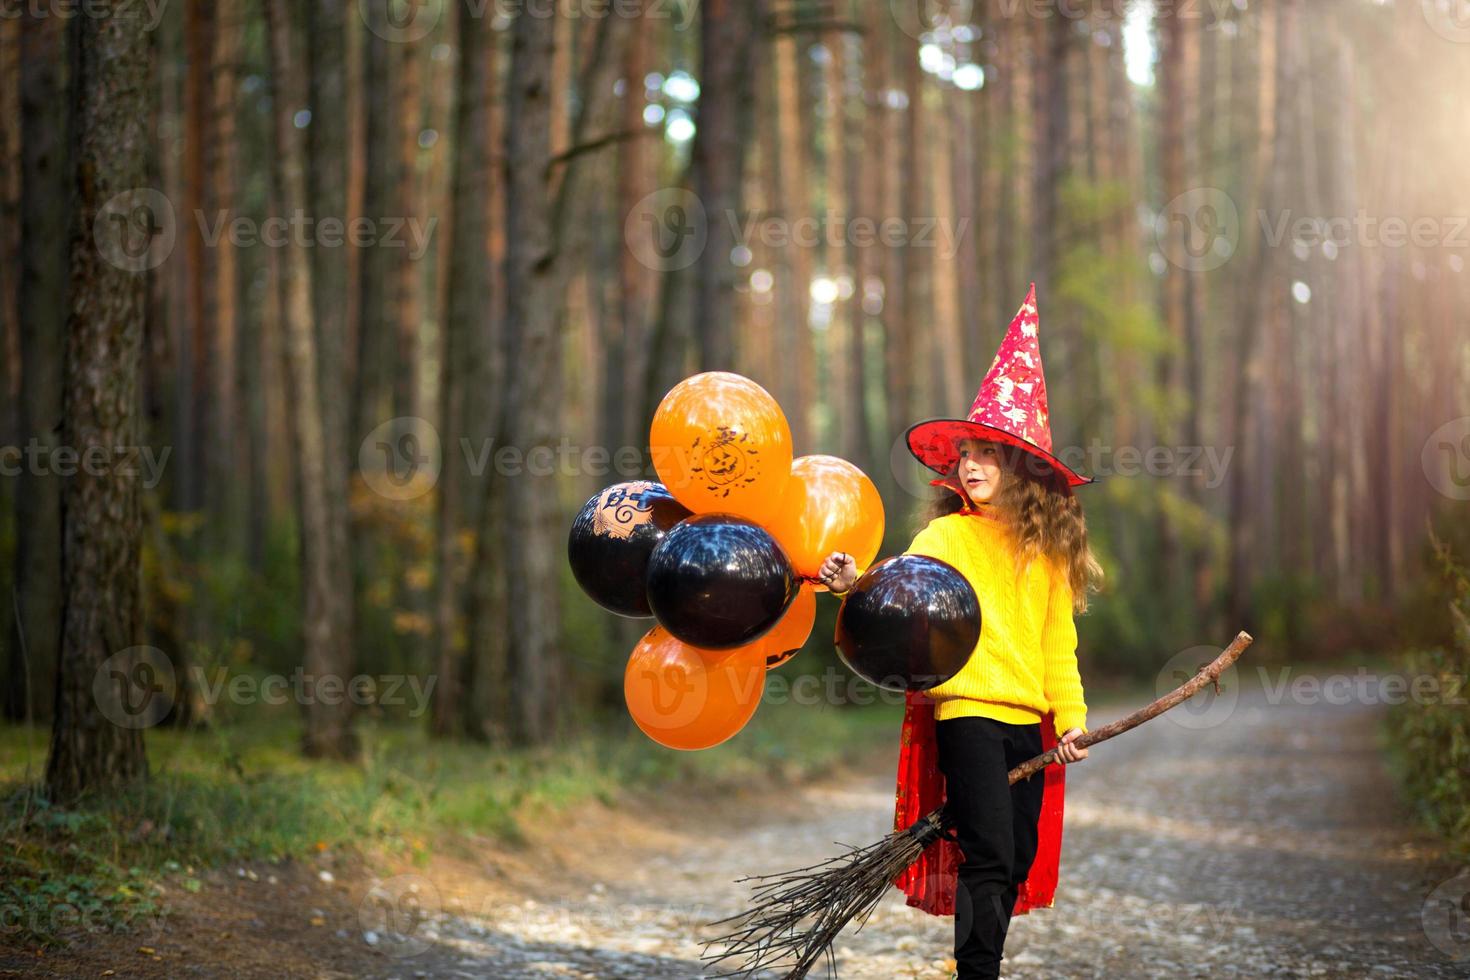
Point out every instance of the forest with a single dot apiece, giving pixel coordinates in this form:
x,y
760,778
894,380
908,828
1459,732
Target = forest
x,y
320,321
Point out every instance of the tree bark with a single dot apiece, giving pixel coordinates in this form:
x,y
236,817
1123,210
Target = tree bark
x,y
223,449
101,519
45,190
471,183
327,653
729,29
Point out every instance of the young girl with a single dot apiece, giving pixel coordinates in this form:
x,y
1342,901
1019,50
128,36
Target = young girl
x,y
1008,520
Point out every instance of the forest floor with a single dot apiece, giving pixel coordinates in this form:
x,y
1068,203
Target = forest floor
x,y
1271,844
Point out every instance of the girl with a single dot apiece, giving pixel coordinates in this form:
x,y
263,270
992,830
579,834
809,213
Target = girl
x,y
1008,520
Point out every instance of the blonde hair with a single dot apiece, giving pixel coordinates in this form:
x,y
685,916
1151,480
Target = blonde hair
x,y
1042,513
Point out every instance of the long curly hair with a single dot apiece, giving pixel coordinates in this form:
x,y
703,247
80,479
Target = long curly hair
x,y
1043,514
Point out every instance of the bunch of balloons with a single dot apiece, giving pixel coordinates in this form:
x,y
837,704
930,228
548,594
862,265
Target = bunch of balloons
x,y
723,552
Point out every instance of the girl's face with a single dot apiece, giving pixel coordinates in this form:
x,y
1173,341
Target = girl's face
x,y
980,472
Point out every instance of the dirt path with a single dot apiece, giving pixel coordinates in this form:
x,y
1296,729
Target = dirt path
x,y
1269,845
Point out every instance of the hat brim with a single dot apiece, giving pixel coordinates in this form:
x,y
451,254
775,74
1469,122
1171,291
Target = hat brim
x,y
933,443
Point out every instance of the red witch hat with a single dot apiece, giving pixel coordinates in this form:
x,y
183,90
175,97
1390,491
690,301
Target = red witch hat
x,y
1010,406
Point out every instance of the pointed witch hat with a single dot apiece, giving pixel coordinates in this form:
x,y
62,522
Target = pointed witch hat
x,y
1009,408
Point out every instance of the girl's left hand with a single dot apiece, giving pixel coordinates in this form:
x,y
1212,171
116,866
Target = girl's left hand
x,y
1066,751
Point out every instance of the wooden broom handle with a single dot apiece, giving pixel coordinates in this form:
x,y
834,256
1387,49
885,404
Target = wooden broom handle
x,y
1208,674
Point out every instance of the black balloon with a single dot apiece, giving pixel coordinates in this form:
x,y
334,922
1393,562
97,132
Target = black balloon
x,y
612,539
719,581
909,623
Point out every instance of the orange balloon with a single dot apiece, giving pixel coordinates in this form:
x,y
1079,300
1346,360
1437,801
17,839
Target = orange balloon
x,y
829,505
790,633
687,698
720,442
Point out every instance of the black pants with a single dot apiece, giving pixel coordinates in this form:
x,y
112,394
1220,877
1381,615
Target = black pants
x,y
995,825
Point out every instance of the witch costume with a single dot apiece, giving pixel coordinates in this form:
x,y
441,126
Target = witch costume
x,y
973,728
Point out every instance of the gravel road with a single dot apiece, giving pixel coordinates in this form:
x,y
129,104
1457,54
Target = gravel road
x,y
1268,844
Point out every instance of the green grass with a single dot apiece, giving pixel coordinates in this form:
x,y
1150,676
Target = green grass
x,y
244,793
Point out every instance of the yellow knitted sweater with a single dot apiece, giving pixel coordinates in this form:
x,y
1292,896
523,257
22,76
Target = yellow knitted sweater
x,y
1025,663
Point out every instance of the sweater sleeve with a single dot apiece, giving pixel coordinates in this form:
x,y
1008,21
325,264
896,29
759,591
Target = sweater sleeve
x,y
930,542
1062,684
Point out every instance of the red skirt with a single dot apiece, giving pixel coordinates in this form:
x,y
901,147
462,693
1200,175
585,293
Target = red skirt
x,y
931,880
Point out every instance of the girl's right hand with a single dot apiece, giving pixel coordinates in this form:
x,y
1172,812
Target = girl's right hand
x,y
838,571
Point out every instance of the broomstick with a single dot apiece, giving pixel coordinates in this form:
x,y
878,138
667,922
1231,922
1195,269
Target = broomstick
x,y
768,935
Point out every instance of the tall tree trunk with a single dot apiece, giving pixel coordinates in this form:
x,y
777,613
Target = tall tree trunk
x,y
224,447
45,192
327,187
372,402
193,369
837,435
10,183
533,383
521,527
727,46
327,650
796,207
471,182
407,280
91,747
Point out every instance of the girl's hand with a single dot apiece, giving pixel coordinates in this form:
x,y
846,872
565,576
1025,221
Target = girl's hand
x,y
838,571
1066,751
